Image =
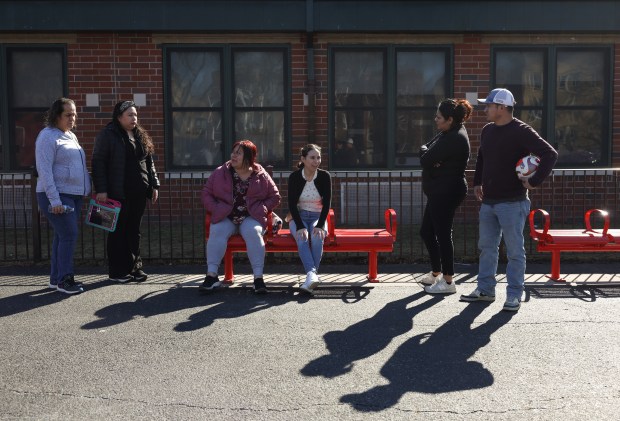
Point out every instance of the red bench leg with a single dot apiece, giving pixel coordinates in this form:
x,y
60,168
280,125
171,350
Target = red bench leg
x,y
228,267
372,266
555,267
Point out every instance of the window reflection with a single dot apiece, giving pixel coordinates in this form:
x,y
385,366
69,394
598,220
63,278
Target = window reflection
x,y
360,139
259,102
580,78
197,138
420,86
25,131
196,98
413,129
195,80
266,130
580,106
420,78
522,73
359,118
36,78
578,136
259,78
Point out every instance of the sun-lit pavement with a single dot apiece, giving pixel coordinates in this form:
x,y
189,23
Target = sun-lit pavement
x,y
162,350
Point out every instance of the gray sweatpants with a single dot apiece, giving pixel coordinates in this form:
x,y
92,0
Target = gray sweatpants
x,y
252,233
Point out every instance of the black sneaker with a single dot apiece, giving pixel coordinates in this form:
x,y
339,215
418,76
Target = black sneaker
x,y
121,279
259,286
139,275
210,283
68,286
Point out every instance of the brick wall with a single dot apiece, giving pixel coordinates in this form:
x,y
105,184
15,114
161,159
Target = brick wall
x,y
116,66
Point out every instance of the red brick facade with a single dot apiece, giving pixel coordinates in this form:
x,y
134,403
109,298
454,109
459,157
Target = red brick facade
x,y
117,66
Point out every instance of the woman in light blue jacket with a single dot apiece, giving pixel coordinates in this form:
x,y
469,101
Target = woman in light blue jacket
x,y
62,184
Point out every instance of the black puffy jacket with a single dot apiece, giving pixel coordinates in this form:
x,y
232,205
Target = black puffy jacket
x,y
108,163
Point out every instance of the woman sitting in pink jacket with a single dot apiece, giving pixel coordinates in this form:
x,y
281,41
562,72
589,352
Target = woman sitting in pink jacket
x,y
239,194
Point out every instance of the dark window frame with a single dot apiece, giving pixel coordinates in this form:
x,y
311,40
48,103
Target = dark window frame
x,y
550,106
391,108
7,112
228,107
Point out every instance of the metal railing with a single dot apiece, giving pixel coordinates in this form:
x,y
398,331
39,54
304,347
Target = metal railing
x,y
173,228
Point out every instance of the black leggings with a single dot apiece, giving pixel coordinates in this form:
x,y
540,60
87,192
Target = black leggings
x,y
124,243
436,230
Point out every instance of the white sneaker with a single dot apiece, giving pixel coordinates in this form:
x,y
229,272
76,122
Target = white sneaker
x,y
429,279
312,280
441,287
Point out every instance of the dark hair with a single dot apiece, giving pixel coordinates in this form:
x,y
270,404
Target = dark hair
x,y
139,132
459,109
52,115
304,152
249,151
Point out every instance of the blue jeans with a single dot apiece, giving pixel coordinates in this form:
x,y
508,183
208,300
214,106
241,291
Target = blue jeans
x,y
310,250
65,234
251,231
507,219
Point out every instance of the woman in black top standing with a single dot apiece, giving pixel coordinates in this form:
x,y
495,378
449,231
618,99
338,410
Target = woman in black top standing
x,y
443,162
309,200
123,170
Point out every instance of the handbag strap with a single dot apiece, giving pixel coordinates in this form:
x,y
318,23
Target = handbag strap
x,y
110,202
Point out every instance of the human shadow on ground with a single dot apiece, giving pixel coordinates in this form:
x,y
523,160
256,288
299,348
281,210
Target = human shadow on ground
x,y
222,304
246,302
28,301
367,337
33,300
435,362
588,293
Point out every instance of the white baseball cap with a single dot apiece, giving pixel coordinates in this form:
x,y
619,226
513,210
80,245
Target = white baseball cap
x,y
499,96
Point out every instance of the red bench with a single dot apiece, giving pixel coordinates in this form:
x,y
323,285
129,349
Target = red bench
x,y
556,241
370,240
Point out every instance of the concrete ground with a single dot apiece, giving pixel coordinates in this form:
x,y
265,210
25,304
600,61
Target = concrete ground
x,y
354,351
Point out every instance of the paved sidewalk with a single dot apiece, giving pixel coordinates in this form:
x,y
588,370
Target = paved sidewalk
x,y
575,274
356,351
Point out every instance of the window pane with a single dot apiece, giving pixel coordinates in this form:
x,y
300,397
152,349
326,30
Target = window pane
x,y
195,79
413,129
581,78
578,136
367,131
36,78
259,79
531,117
197,138
266,131
26,129
359,79
420,78
522,72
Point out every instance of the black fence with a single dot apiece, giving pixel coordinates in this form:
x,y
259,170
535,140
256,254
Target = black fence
x,y
173,228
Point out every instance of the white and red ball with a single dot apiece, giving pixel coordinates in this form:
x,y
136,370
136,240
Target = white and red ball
x,y
527,166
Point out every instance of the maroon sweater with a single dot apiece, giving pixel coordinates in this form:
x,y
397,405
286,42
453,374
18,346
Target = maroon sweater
x,y
501,147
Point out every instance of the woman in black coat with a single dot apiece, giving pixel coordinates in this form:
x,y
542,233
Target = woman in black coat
x,y
123,170
443,160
